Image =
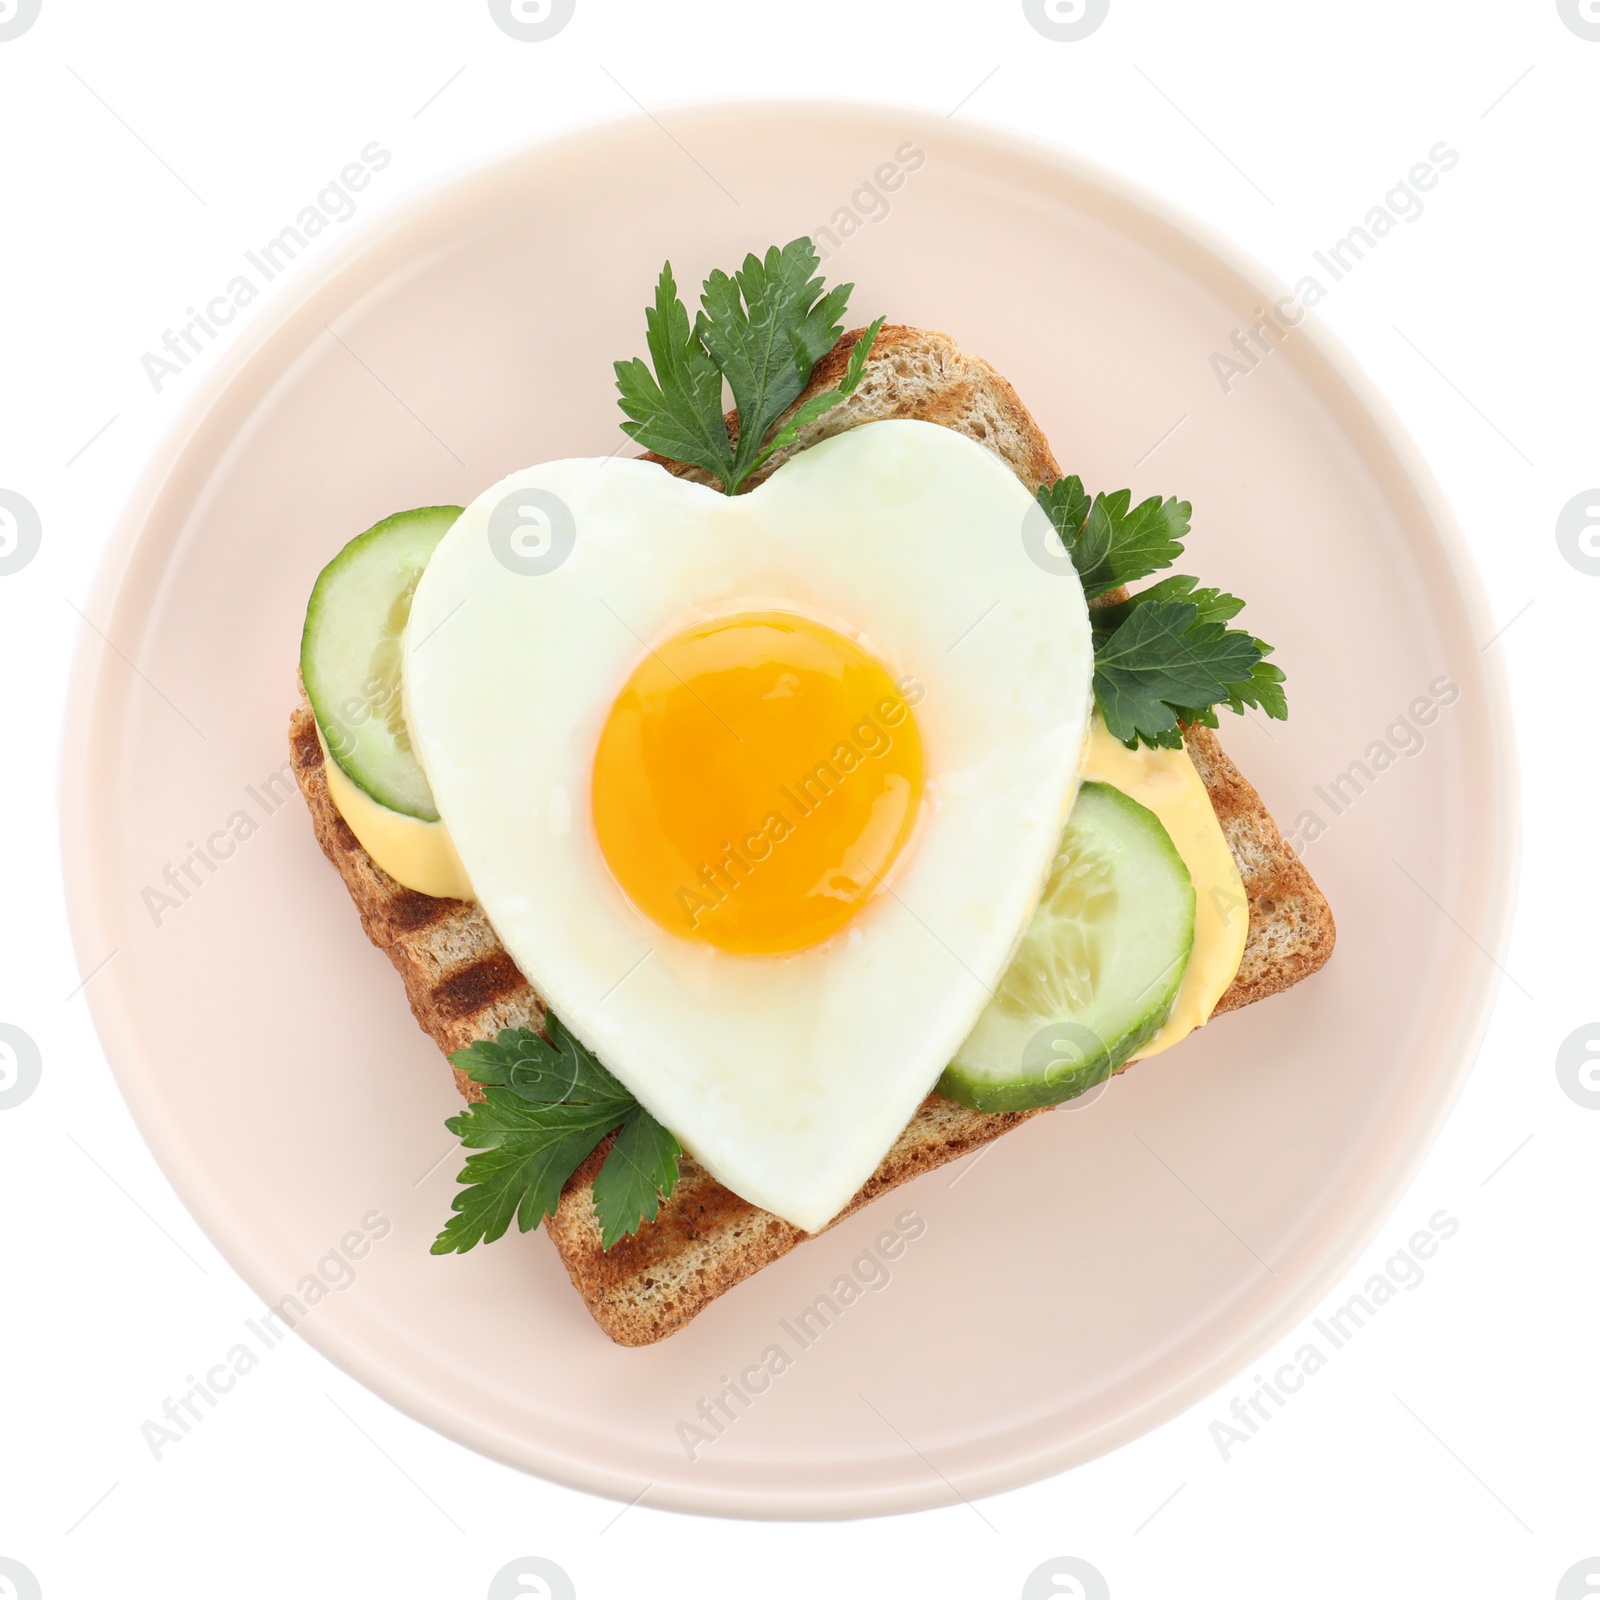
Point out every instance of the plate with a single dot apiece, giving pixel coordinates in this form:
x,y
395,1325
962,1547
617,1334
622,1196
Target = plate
x,y
1093,1273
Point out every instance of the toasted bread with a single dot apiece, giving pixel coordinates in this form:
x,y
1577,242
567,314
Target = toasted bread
x,y
463,986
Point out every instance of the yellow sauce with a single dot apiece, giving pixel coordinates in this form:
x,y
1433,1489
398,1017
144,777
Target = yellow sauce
x,y
418,854
1166,782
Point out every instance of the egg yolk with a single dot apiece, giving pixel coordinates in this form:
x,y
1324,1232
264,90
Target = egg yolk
x,y
755,780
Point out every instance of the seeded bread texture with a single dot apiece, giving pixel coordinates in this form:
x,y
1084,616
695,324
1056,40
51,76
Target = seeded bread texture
x,y
463,986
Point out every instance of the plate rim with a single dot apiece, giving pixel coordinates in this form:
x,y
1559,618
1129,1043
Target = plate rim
x,y
1496,884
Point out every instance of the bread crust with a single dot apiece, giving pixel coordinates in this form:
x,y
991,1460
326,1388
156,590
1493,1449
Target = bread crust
x,y
463,986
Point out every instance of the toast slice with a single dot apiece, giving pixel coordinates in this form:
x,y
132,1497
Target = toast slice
x,y
463,986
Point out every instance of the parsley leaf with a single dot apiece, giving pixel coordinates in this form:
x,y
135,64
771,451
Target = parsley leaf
x,y
1212,605
767,326
819,404
642,1165
762,329
1262,689
1215,605
1261,685
1110,544
1164,656
677,410
547,1104
1163,664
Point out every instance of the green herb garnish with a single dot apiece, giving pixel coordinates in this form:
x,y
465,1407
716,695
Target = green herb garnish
x,y
1165,655
760,330
1110,544
547,1104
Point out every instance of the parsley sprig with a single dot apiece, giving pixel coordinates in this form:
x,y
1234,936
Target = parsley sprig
x,y
760,330
547,1103
1165,655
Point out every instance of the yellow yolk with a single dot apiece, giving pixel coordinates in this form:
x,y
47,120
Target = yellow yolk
x,y
755,780
1166,782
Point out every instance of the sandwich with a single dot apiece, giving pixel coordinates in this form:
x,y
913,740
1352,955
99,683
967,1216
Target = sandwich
x,y
763,820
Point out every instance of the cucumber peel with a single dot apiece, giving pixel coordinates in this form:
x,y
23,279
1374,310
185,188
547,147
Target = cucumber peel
x,y
350,656
1097,970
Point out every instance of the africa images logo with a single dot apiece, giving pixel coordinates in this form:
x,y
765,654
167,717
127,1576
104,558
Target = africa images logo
x,y
1066,21
532,21
20,532
16,17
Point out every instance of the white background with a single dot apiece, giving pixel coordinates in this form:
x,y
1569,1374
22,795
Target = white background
x,y
1450,1448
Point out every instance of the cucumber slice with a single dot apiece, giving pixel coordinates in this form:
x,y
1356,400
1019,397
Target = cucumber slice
x,y
350,656
1096,972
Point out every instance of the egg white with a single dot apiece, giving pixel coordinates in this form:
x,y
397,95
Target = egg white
x,y
787,1077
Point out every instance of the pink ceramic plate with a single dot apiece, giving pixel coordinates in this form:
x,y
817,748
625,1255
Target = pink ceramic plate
x,y
1090,1275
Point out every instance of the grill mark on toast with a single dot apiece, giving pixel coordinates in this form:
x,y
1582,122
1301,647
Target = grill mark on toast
x,y
471,989
305,749
410,912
